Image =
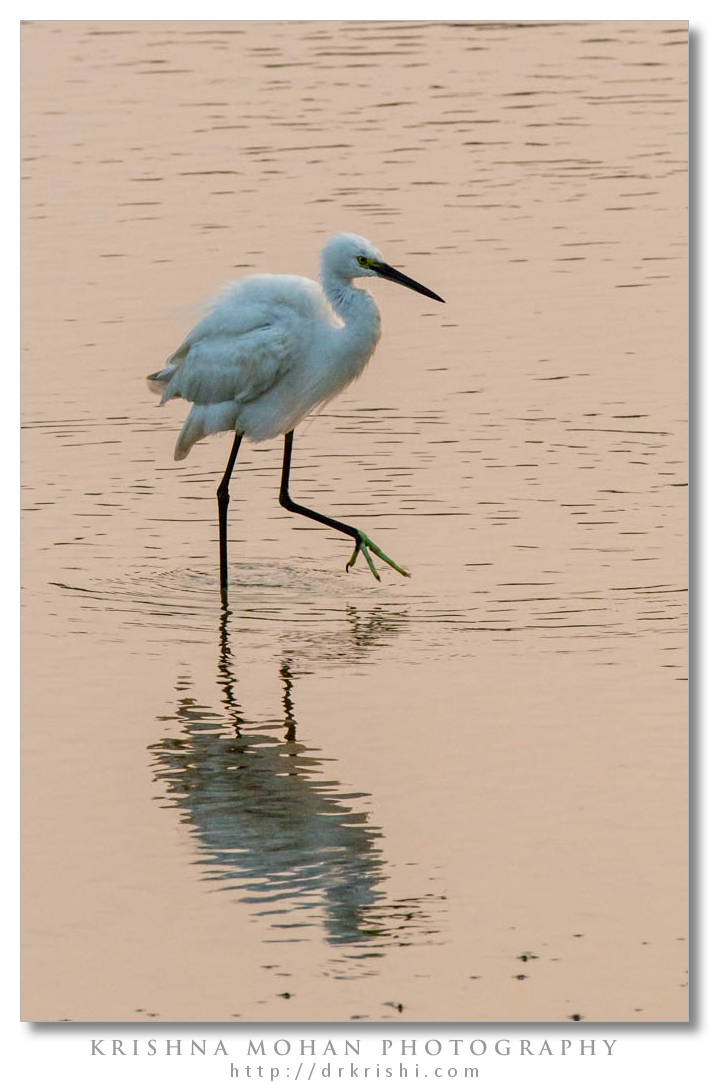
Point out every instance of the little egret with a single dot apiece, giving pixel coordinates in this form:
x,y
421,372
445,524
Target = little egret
x,y
271,349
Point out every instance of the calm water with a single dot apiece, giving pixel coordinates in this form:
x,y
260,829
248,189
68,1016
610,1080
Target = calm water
x,y
248,813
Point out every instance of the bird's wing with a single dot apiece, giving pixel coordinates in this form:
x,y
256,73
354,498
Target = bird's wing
x,y
230,368
252,336
256,302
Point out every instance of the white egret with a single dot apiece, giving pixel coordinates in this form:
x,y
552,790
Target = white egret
x,y
271,349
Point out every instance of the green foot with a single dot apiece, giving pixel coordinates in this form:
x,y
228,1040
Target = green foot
x,y
367,547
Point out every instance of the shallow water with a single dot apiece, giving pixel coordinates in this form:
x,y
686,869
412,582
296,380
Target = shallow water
x,y
248,812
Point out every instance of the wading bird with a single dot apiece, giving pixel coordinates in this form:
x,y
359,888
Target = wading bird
x,y
271,349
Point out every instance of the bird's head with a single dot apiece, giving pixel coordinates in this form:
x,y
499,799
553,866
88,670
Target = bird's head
x,y
348,256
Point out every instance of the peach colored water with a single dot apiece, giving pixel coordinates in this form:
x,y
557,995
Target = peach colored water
x,y
456,797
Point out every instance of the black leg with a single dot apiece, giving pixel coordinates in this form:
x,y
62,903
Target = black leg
x,y
362,542
223,503
285,500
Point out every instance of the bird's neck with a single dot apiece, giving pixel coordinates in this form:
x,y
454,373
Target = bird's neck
x,y
358,312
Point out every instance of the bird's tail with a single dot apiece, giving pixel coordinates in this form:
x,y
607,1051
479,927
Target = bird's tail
x,y
157,381
203,421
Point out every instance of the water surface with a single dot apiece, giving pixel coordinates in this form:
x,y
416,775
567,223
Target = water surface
x,y
456,797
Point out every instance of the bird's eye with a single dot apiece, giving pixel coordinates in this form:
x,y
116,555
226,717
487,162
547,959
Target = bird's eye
x,y
362,260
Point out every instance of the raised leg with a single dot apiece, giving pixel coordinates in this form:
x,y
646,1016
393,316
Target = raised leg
x,y
223,503
362,543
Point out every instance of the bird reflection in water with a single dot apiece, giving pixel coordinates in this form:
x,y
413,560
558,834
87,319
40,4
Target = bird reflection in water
x,y
268,824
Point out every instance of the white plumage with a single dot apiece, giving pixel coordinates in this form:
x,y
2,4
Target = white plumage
x,y
270,350
273,347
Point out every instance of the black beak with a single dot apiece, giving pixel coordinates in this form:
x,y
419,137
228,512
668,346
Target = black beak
x,y
385,271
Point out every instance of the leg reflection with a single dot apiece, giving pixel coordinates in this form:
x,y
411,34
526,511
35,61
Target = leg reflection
x,y
270,824
287,679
